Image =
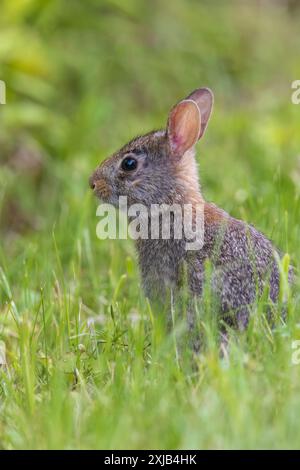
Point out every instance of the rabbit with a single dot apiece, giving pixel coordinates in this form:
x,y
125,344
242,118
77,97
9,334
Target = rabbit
x,y
160,168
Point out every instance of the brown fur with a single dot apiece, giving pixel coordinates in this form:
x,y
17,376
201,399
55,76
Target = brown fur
x,y
102,187
213,214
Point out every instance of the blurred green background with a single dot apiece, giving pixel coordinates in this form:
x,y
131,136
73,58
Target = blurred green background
x,y
82,78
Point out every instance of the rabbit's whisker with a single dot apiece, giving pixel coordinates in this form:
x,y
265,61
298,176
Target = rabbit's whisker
x,y
136,182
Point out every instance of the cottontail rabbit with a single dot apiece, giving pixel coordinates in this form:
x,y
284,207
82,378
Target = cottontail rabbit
x,y
160,168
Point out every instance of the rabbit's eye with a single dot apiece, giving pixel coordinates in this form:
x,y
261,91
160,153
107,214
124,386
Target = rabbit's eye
x,y
129,164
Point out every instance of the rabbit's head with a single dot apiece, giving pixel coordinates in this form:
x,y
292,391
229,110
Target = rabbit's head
x,y
158,167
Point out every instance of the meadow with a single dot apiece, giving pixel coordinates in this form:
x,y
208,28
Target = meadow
x,y
85,361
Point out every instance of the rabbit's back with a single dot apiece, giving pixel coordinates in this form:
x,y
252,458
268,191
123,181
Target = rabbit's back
x,y
242,260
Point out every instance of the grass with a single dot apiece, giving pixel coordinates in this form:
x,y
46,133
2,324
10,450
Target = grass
x,y
89,363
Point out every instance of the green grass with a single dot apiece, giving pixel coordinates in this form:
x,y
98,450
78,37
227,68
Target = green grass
x,y
89,363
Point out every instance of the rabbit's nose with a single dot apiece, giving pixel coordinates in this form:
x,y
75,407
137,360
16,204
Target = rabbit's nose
x,y
99,186
92,182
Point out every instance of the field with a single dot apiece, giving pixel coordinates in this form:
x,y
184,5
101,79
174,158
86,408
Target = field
x,y
85,361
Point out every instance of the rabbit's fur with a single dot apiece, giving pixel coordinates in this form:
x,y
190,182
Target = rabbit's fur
x,y
242,259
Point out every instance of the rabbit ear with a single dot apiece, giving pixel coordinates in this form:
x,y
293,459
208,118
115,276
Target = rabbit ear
x,y
184,126
204,99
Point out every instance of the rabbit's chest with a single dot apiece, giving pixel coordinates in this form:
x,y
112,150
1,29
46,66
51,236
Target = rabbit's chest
x,y
160,265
